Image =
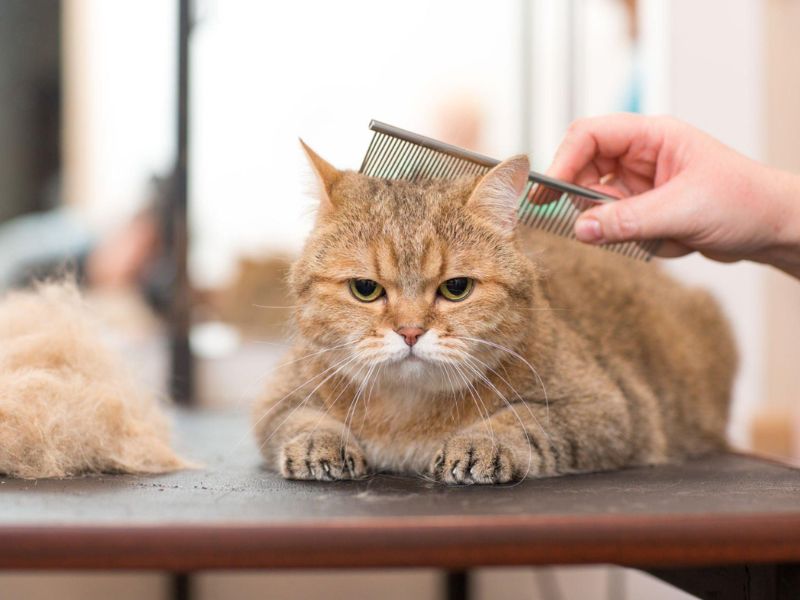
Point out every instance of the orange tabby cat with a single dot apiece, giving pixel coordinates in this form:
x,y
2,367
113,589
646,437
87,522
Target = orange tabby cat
x,y
436,337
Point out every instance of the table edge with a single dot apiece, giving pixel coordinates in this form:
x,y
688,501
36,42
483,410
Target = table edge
x,y
648,540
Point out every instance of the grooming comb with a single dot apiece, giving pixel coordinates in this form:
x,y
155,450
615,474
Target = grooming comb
x,y
547,204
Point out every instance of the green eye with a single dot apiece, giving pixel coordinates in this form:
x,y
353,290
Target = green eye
x,y
456,289
366,290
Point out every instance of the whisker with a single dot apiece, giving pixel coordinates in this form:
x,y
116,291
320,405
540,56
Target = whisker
x,y
369,395
365,394
351,407
446,370
513,389
351,411
276,403
272,370
522,358
508,404
346,430
344,383
341,365
476,399
312,354
266,306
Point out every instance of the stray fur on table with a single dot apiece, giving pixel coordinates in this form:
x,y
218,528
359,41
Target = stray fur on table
x,y
67,403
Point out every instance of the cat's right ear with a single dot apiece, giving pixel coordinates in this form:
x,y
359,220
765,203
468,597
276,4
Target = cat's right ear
x,y
327,176
497,194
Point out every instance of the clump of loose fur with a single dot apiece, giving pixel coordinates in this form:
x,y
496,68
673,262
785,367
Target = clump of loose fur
x,y
561,358
67,405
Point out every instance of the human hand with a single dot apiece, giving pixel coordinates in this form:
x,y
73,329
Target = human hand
x,y
681,185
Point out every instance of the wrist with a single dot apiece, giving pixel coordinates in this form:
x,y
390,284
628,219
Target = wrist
x,y
784,253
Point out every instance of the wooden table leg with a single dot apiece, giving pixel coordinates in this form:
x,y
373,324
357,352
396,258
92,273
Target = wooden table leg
x,y
181,586
457,585
742,582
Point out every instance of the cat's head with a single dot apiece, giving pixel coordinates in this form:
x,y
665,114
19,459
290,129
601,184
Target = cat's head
x,y
421,282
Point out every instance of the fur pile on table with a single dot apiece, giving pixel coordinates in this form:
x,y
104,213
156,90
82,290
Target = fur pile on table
x,y
68,405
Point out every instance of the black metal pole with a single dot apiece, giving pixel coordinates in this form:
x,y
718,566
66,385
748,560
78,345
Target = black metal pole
x,y
457,585
181,361
182,365
181,586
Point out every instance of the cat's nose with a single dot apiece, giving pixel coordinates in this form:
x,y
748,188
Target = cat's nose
x,y
410,334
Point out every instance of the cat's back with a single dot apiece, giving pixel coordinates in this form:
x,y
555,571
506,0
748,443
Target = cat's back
x,y
598,286
575,272
632,311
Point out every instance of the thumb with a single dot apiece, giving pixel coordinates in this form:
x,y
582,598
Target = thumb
x,y
652,215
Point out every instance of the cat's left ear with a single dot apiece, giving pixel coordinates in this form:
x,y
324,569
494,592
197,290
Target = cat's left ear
x,y
496,197
327,175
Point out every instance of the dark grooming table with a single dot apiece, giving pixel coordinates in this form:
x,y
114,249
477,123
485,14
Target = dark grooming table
x,y
726,525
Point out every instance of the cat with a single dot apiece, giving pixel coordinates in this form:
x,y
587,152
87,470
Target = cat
x,y
435,337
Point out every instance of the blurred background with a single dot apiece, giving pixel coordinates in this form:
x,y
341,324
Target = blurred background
x,y
92,181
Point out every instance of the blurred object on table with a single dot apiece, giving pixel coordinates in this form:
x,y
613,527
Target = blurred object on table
x,y
257,301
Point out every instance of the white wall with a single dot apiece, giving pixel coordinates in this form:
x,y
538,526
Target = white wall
x,y
582,60
266,73
707,67
119,74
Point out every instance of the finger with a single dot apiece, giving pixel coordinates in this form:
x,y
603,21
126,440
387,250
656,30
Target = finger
x,y
652,215
610,137
588,175
672,249
636,183
615,189
539,195
596,170
605,165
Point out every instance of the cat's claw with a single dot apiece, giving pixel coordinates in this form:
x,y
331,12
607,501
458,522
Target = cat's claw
x,y
322,456
466,459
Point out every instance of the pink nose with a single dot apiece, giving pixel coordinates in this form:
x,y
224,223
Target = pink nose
x,y
410,334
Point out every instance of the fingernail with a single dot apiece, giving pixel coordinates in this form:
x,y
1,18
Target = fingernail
x,y
588,230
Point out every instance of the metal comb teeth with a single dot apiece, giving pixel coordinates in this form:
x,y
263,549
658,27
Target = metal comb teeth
x,y
547,204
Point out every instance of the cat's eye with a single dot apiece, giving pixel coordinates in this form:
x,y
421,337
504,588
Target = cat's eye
x,y
366,290
456,289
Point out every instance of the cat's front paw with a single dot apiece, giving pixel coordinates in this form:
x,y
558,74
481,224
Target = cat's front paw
x,y
466,459
324,456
